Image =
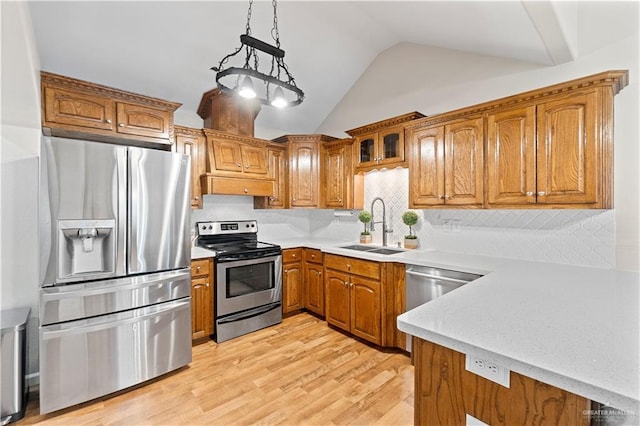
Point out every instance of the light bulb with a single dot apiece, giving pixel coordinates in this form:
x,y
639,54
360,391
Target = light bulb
x,y
278,98
246,89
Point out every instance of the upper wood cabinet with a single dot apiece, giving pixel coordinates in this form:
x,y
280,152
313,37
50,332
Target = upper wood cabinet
x,y
236,165
381,144
278,171
304,168
76,108
193,143
446,165
341,187
547,148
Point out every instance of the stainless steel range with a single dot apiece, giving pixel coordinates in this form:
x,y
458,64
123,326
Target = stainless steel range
x,y
248,278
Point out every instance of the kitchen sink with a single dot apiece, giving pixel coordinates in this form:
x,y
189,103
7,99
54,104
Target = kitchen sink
x,y
369,249
358,247
385,251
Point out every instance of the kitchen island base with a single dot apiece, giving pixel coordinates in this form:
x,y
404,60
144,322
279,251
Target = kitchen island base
x,y
445,393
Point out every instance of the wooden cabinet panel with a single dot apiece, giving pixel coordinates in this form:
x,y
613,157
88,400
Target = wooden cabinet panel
x,y
353,299
338,306
227,156
137,120
304,174
365,268
314,288
292,255
445,392
313,255
254,159
292,290
447,165
511,157
292,280
464,162
192,143
78,109
200,267
567,145
277,159
335,181
426,167
366,313
202,311
391,145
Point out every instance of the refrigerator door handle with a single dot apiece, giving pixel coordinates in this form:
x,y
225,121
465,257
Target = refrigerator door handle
x,y
89,325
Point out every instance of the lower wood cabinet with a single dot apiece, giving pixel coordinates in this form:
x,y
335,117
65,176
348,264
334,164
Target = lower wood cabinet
x,y
354,296
292,284
202,313
313,282
445,392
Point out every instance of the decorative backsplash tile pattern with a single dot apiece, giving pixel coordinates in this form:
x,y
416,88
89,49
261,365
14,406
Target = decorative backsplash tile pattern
x,y
579,237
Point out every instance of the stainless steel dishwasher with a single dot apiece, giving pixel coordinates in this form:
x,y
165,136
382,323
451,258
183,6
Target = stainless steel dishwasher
x,y
424,283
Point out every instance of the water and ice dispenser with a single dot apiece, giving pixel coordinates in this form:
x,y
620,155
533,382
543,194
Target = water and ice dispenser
x,y
86,248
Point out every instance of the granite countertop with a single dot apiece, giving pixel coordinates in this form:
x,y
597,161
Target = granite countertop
x,y
576,328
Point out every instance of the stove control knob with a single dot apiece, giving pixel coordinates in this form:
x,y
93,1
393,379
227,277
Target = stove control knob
x,y
204,226
210,227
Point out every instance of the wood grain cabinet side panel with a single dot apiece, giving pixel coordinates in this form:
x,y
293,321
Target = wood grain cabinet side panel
x,y
445,392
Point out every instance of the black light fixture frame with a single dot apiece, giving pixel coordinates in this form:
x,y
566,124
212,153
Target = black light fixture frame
x,y
278,67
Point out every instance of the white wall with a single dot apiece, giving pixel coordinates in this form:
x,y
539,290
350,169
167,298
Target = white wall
x,y
410,77
19,149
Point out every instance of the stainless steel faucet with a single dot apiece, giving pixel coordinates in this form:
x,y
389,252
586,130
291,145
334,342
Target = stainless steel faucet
x,y
385,230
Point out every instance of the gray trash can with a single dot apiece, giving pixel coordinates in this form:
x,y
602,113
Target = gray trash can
x,y
13,363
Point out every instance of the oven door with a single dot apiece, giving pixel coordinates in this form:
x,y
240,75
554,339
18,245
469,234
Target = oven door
x,y
248,283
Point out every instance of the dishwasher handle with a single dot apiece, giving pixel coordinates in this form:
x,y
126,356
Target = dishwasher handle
x,y
436,277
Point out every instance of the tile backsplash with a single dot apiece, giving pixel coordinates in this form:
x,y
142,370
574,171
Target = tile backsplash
x,y
579,237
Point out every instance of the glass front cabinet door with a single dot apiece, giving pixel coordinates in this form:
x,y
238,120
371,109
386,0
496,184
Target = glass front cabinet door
x,y
381,148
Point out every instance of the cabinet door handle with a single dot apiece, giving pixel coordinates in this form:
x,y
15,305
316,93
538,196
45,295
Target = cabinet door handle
x,y
541,193
529,193
246,166
246,191
121,124
440,196
198,268
293,255
196,198
207,284
108,121
446,197
293,199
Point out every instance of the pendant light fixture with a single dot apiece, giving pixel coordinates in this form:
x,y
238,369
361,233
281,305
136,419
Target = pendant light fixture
x,y
277,88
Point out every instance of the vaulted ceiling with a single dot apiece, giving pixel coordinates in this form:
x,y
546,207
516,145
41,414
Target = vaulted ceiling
x,y
166,49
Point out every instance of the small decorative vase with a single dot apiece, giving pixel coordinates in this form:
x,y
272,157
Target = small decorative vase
x,y
410,243
365,239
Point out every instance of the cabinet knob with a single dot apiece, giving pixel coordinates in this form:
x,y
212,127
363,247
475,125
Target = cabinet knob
x,y
351,285
339,200
293,255
293,199
529,193
198,268
246,166
238,165
348,266
541,193
446,197
121,124
196,198
246,190
441,197
313,256
107,121
207,284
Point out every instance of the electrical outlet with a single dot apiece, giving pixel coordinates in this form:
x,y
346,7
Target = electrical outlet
x,y
488,370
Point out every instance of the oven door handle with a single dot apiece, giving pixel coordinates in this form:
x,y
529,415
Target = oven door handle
x,y
250,313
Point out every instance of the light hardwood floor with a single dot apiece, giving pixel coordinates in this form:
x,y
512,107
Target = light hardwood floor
x,y
300,372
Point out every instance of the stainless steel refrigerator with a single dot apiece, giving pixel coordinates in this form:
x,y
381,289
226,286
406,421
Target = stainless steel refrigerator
x,y
115,306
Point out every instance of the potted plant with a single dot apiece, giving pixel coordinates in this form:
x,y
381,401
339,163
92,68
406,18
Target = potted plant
x,y
365,218
410,218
